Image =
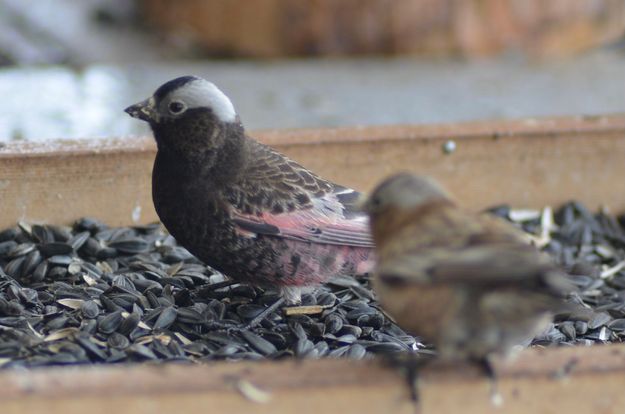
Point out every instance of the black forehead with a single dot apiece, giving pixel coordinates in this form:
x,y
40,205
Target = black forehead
x,y
172,85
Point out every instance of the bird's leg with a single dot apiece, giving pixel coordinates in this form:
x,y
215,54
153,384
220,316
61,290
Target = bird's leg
x,y
204,289
289,295
265,313
215,325
487,368
220,326
409,365
412,376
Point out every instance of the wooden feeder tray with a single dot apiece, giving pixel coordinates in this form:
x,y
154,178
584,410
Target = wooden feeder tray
x,y
524,163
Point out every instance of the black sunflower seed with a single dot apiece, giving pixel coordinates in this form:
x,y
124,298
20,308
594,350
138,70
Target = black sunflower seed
x,y
617,325
31,261
77,241
42,234
141,277
130,246
166,317
90,309
87,342
6,247
303,347
129,324
258,343
118,341
109,323
334,323
20,250
14,267
55,248
8,235
356,351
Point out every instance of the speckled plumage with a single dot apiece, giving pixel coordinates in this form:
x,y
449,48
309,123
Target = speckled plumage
x,y
243,208
468,283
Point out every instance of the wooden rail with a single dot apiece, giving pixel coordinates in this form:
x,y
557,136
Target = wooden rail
x,y
556,380
527,163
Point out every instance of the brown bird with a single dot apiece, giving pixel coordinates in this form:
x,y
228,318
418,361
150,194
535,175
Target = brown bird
x,y
470,284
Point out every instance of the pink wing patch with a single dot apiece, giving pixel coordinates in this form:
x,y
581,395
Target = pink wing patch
x,y
324,222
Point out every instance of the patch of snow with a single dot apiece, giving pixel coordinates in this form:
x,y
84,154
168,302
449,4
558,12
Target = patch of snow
x,y
56,103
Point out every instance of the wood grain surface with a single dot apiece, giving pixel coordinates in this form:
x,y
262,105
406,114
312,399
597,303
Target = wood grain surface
x,y
556,380
526,163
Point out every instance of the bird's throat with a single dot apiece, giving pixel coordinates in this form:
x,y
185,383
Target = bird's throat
x,y
219,162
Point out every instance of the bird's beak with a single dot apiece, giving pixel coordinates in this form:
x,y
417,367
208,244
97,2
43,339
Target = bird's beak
x,y
144,110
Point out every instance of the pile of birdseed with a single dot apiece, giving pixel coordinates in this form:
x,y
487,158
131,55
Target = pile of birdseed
x,y
591,248
95,294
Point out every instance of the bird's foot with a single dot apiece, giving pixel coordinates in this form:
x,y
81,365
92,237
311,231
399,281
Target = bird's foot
x,y
220,326
233,328
261,316
206,289
409,365
488,369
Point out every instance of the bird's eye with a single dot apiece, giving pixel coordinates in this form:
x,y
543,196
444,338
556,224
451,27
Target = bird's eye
x,y
176,107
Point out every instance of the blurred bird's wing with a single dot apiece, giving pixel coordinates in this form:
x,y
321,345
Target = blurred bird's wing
x,y
494,265
279,197
443,225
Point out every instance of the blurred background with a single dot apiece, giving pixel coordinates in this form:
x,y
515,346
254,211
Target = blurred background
x,y
69,67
